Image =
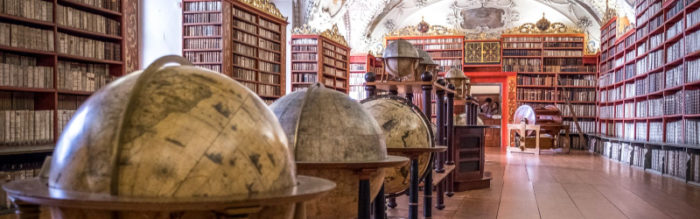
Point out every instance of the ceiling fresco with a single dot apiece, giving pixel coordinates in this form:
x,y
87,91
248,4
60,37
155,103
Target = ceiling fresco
x,y
365,22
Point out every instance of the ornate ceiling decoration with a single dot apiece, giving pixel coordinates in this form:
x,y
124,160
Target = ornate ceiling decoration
x,y
365,22
425,29
543,26
305,29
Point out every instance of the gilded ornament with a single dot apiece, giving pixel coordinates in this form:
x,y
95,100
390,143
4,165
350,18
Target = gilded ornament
x,y
420,30
265,6
334,35
305,29
543,23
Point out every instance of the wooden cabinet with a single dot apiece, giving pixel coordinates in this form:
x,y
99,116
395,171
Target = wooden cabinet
x,y
468,152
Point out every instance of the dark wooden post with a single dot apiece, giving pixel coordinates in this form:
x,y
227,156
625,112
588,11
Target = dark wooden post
x,y
370,89
363,207
428,183
450,141
413,190
380,205
440,123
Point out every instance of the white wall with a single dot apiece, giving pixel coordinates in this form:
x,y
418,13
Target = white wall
x,y
286,7
486,89
161,29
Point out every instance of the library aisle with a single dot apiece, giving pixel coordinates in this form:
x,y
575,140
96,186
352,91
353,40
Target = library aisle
x,y
578,185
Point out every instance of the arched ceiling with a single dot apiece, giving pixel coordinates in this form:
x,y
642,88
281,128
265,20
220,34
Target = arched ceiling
x,y
365,22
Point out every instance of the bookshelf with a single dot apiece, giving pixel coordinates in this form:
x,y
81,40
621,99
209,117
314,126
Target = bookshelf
x,y
243,39
53,56
650,110
446,50
359,65
551,68
320,57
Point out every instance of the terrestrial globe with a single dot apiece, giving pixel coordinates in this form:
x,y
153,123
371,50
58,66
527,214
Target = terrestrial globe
x,y
401,59
327,126
426,64
404,126
173,132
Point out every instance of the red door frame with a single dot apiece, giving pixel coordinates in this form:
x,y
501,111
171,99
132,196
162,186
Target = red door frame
x,y
508,105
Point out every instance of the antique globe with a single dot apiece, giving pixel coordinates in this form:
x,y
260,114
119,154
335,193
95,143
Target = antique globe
x,y
401,59
173,132
327,126
456,77
404,126
426,64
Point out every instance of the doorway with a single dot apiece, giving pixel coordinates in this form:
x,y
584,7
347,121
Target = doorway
x,y
490,100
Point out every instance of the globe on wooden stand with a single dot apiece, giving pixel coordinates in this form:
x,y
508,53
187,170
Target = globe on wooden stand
x,y
426,64
333,137
401,60
404,126
414,150
176,141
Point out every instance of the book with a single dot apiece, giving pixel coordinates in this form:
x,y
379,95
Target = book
x,y
76,18
26,37
89,48
32,9
114,5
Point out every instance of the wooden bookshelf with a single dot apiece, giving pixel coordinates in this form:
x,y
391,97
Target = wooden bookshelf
x,y
88,72
241,39
359,65
551,67
446,50
651,108
320,57
44,77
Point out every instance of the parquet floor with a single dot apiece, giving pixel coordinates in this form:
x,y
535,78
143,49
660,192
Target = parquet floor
x,y
577,185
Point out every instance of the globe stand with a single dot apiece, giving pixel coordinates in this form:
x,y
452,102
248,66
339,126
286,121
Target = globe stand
x,y
362,172
28,195
414,154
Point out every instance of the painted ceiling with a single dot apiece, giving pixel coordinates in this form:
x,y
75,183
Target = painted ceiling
x,y
365,22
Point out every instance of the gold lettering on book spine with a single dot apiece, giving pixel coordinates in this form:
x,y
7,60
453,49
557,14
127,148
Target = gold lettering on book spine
x,y
265,6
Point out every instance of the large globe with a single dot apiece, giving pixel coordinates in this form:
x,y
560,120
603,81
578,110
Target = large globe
x,y
404,126
324,125
176,131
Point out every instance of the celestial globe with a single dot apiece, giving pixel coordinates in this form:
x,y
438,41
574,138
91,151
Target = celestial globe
x,y
173,132
404,126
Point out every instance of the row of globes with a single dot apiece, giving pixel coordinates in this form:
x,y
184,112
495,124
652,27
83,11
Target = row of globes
x,y
178,131
404,62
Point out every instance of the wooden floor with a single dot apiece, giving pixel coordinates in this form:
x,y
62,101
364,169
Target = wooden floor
x,y
577,185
